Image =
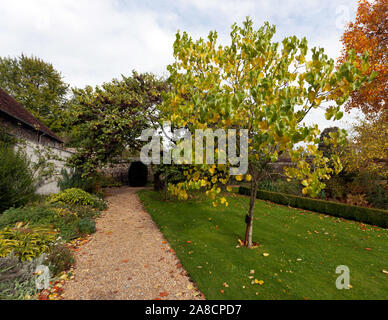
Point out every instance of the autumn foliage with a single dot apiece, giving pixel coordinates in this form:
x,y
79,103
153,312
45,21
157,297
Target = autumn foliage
x,y
369,33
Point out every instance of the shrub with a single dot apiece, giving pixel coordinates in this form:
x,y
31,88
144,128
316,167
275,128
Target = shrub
x,y
6,139
75,196
267,185
109,182
60,258
356,199
379,197
63,217
291,187
137,174
87,226
75,180
34,215
17,183
64,209
26,242
17,278
371,216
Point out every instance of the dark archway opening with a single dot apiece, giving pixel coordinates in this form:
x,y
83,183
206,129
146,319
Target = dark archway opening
x,y
137,174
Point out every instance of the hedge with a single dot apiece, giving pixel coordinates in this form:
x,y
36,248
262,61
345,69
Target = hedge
x,y
377,217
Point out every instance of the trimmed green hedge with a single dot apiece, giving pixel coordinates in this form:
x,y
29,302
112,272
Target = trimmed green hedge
x,y
377,217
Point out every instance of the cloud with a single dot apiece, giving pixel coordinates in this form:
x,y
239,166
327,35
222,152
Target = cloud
x,y
91,42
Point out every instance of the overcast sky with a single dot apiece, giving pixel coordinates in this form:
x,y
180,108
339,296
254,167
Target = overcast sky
x,y
93,41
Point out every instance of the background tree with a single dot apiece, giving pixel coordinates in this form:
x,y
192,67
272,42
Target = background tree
x,y
108,120
369,32
36,85
367,150
267,88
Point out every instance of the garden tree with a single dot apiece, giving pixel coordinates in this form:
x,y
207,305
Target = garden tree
x,y
367,151
36,85
110,118
369,33
324,141
266,88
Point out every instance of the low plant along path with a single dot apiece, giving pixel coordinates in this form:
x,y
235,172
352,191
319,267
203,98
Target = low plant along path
x,y
128,257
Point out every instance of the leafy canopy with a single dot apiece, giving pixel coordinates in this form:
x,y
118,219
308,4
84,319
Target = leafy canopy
x,y
265,87
368,33
108,119
37,86
367,151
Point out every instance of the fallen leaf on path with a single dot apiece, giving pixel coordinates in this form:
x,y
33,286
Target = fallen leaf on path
x,y
163,294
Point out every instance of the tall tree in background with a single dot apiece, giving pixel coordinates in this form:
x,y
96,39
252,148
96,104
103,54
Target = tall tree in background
x,y
367,151
36,85
108,119
369,32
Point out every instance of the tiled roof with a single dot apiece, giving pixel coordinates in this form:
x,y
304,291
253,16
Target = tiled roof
x,y
15,110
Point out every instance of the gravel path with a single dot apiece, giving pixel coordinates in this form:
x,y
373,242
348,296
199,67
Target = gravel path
x,y
128,258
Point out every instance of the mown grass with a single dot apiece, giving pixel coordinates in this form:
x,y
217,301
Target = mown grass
x,y
304,250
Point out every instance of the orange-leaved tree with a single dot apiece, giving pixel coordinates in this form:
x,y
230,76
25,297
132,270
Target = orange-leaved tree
x,y
369,32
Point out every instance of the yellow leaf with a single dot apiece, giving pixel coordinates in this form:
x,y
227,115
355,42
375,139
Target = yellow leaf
x,y
265,254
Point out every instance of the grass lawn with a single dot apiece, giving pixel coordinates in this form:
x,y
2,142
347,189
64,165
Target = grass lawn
x,y
304,250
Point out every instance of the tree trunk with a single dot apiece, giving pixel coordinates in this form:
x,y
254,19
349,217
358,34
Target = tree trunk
x,y
165,189
252,201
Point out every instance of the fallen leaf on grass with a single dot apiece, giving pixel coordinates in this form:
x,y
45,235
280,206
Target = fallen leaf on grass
x,y
265,254
369,249
222,291
225,285
385,271
260,282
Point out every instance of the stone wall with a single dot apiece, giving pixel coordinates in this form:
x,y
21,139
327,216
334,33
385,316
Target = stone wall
x,y
33,149
119,171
